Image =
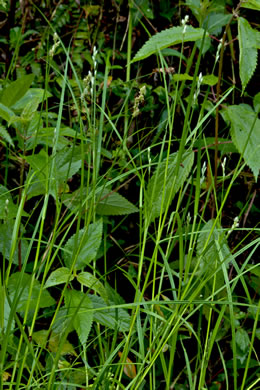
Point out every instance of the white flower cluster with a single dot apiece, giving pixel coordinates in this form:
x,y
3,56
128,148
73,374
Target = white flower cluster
x,y
184,23
89,80
235,225
138,100
55,45
197,92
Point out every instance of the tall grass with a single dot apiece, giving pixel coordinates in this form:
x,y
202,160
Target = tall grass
x,y
183,309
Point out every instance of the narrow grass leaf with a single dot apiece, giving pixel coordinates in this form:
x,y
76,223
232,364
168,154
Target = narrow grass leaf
x,y
164,184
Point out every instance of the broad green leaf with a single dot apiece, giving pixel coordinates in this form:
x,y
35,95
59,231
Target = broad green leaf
x,y
59,276
90,281
207,79
84,246
8,209
214,22
112,318
6,233
16,90
80,309
166,38
211,256
6,113
33,94
65,165
42,338
112,203
242,339
45,136
252,4
6,136
245,133
164,184
108,202
256,103
29,110
28,291
247,38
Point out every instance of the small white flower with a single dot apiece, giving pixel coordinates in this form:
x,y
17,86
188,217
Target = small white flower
x,y
223,166
203,171
235,225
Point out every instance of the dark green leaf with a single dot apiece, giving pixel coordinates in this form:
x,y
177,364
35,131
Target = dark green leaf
x,y
29,291
245,132
80,309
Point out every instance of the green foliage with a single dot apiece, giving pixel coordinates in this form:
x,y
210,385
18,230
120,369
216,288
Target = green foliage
x,y
16,90
249,42
213,251
169,37
80,312
82,247
100,290
245,132
27,290
6,242
166,182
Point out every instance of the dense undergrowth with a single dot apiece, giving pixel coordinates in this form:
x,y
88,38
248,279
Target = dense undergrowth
x,y
129,201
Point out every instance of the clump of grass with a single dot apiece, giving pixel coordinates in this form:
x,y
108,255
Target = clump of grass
x,y
67,319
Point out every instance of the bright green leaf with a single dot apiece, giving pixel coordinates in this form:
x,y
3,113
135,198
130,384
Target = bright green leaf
x,y
90,281
5,135
251,4
242,339
6,113
59,276
247,38
16,90
35,94
84,246
166,38
207,79
256,102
